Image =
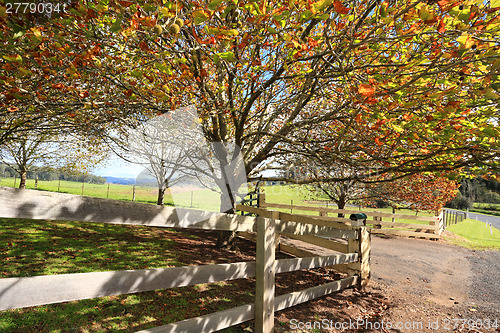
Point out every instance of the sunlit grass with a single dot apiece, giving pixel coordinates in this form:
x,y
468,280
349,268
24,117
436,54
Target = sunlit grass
x,y
38,247
477,234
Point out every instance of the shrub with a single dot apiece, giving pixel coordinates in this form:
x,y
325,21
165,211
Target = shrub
x,y
460,202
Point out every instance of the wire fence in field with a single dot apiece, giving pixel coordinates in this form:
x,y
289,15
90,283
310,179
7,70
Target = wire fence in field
x,y
453,217
187,197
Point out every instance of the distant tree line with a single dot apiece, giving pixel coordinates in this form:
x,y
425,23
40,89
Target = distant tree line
x,y
45,173
484,190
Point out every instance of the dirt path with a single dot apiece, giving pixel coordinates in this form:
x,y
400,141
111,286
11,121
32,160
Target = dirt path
x,y
428,283
432,281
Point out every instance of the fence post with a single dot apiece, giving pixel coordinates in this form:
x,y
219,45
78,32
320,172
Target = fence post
x,y
83,185
262,200
456,217
107,194
15,178
264,275
59,185
275,215
133,193
36,183
361,246
440,226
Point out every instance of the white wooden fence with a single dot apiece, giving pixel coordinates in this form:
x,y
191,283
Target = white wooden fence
x,y
38,290
422,226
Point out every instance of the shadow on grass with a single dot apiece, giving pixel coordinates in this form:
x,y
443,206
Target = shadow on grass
x,y
126,313
47,247
37,247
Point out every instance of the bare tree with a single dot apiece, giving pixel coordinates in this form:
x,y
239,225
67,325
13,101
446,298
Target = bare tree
x,y
159,147
58,150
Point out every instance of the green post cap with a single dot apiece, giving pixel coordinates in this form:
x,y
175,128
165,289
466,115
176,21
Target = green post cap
x,y
358,216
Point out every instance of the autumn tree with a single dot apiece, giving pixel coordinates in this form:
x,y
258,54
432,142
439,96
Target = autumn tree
x,y
360,76
47,67
21,153
346,189
64,152
418,192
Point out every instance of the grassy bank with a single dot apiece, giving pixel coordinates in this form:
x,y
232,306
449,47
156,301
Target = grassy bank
x,y
485,212
476,234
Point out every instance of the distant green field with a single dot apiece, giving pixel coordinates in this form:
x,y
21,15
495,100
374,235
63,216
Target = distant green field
x,y
204,199
487,206
477,234
201,199
116,191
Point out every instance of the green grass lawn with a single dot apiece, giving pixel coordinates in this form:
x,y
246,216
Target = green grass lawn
x,y
31,248
40,247
476,235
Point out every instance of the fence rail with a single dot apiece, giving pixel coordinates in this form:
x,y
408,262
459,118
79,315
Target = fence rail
x,y
423,226
38,290
353,238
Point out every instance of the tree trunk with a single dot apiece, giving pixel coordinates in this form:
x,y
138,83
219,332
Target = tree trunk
x,y
227,239
23,174
341,205
161,196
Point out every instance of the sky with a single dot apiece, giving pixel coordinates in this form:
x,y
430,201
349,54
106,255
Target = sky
x,y
161,136
119,168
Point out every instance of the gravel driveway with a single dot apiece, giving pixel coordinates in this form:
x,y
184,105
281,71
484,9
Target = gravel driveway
x,y
438,273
